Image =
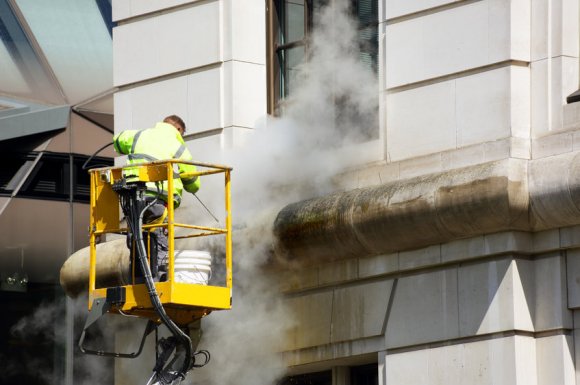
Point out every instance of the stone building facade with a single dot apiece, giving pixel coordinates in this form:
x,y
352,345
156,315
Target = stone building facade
x,y
450,255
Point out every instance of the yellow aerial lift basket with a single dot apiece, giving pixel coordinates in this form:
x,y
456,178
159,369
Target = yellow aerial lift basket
x,y
168,301
183,302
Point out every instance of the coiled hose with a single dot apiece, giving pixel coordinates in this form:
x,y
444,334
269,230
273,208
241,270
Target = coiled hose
x,y
131,204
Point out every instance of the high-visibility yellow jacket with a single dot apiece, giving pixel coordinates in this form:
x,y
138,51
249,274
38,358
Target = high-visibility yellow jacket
x,y
158,143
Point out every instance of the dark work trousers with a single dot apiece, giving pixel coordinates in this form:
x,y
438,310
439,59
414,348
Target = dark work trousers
x,y
157,240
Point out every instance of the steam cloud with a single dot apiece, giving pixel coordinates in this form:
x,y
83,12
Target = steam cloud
x,y
333,103
47,325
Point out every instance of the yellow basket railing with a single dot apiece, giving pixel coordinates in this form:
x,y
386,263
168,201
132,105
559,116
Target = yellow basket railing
x,y
193,300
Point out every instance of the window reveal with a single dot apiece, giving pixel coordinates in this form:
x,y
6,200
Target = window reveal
x,y
291,25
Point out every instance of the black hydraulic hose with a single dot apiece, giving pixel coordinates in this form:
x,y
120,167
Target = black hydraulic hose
x,y
85,167
141,252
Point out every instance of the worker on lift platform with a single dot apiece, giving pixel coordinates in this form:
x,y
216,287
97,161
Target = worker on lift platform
x,y
164,141
159,166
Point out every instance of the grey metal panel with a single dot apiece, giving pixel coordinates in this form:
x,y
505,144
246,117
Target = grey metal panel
x,y
34,122
82,60
9,109
36,237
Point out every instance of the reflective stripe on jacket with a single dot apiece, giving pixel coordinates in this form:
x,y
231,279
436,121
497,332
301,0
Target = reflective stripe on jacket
x,y
158,143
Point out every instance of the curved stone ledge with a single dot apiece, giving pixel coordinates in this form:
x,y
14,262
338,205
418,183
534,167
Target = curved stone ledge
x,y
554,189
113,268
512,194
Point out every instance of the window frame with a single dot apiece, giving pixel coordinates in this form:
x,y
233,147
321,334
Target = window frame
x,y
68,186
273,49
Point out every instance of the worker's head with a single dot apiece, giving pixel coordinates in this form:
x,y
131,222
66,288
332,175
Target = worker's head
x,y
176,122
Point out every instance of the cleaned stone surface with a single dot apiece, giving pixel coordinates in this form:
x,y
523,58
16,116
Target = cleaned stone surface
x,y
483,307
551,303
573,278
520,148
484,107
462,157
405,125
546,240
419,166
492,298
555,360
455,40
558,143
425,309
508,241
246,83
463,249
427,256
397,8
359,311
499,361
570,237
196,30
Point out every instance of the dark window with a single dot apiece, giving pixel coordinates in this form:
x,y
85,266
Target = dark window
x,y
364,375
367,13
25,340
13,171
291,22
82,187
319,378
82,184
50,178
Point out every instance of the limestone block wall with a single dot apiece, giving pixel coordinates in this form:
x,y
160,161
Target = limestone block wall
x,y
554,61
462,73
492,309
197,59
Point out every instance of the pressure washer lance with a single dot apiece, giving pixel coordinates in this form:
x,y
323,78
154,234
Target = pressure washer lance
x,y
132,199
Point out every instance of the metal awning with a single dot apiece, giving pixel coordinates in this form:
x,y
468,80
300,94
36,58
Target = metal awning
x,y
22,119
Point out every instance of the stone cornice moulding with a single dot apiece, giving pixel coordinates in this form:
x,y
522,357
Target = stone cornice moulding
x,y
510,194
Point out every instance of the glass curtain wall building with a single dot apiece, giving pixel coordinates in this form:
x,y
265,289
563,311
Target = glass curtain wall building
x,y
56,109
